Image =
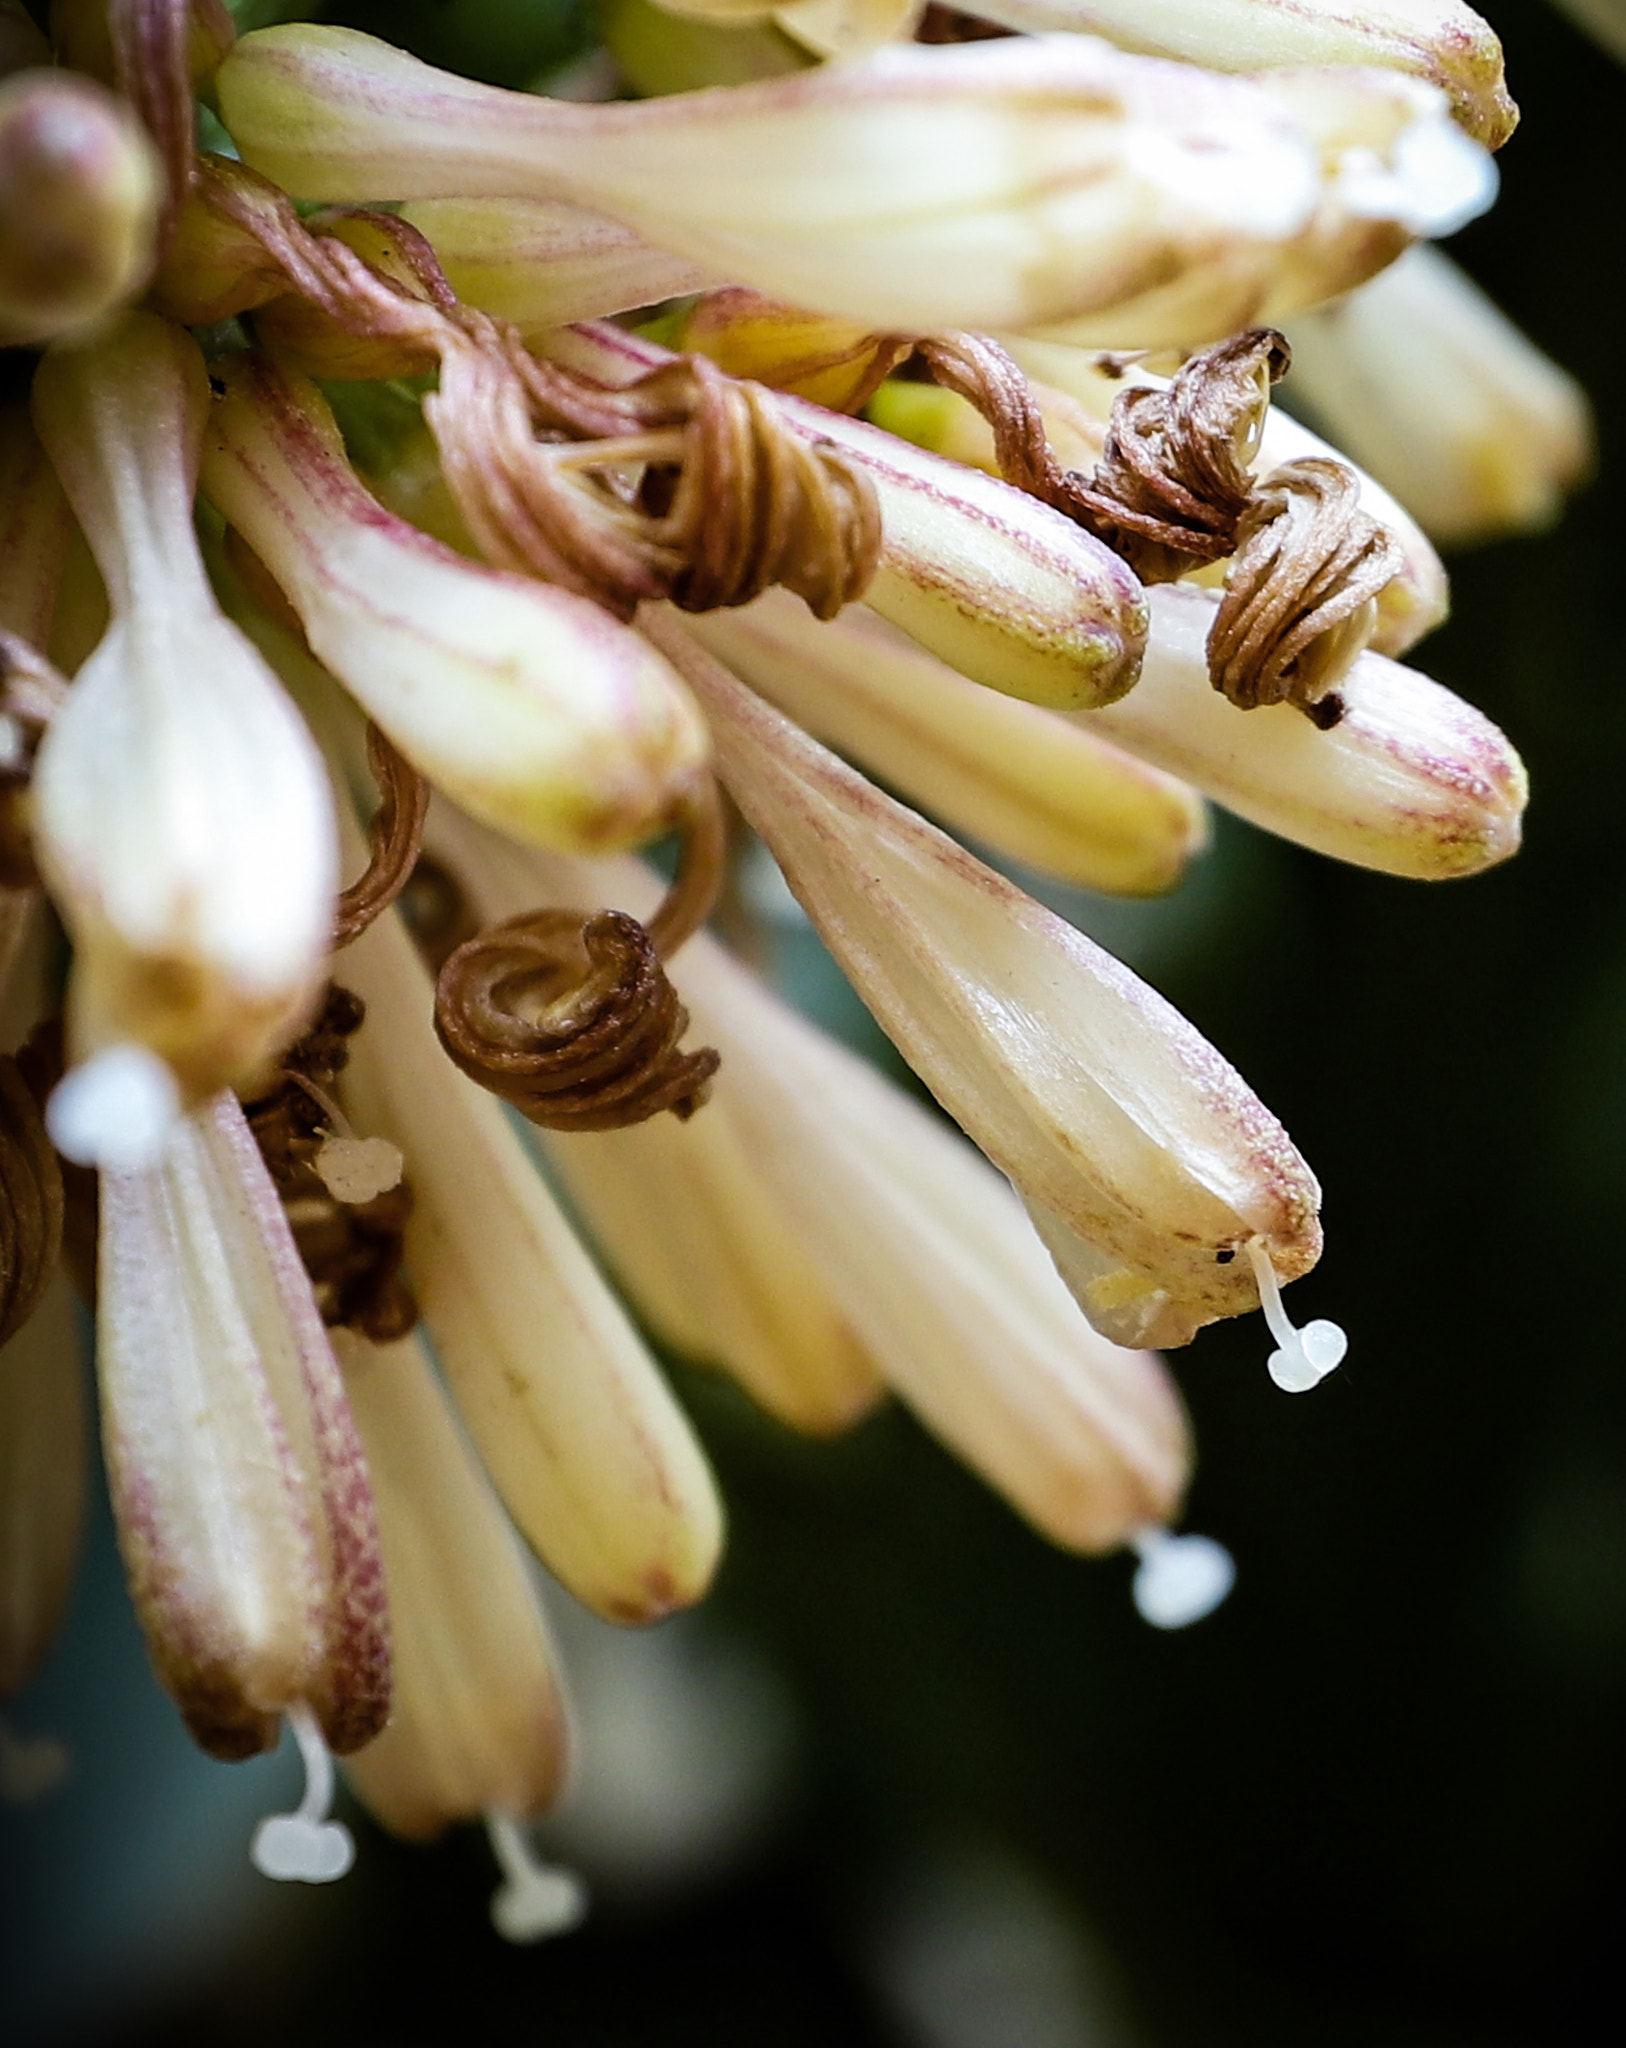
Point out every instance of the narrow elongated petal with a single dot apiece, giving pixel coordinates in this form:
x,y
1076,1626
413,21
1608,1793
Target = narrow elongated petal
x,y
1423,380
534,707
79,195
542,264
1004,588
1018,184
1001,771
478,1721
1083,1086
181,813
238,1482
1438,40
1416,599
576,1426
43,1446
1411,781
697,1238
919,1241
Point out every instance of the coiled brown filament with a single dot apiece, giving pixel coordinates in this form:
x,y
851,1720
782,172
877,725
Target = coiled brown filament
x,y
393,840
571,1018
31,1200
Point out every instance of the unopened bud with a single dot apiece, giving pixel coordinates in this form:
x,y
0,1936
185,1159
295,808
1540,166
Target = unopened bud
x,y
1410,781
1440,41
80,190
250,1543
181,812
1424,381
1044,182
532,706
1110,1114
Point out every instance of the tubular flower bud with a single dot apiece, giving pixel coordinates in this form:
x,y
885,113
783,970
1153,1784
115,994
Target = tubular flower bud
x,y
922,1246
477,1719
1410,781
530,705
238,1482
925,188
1440,41
181,814
79,196
1000,771
1009,591
1102,1105
585,1444
1425,382
543,264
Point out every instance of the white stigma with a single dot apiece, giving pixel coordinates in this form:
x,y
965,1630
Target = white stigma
x,y
1180,1579
535,1899
116,1111
1304,1357
30,1766
304,1846
1435,181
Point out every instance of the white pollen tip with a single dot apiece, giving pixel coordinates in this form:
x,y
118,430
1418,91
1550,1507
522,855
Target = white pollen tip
x,y
535,1900
305,1847
116,1111
358,1169
1180,1579
295,1850
1302,1358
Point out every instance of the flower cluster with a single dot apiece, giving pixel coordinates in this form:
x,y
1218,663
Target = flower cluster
x,y
905,415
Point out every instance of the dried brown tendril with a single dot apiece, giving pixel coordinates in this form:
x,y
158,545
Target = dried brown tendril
x,y
573,1019
1300,600
686,484
1173,480
30,1199
31,693
393,840
351,1250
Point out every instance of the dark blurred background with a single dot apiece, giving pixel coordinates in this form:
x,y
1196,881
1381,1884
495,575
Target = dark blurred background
x,y
915,1778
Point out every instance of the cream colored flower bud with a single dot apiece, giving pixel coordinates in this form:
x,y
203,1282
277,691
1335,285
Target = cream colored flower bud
x,y
1438,40
532,706
1009,591
1098,1100
543,264
919,1242
1022,183
577,1428
1410,781
990,767
238,1480
80,190
182,818
477,1719
1420,378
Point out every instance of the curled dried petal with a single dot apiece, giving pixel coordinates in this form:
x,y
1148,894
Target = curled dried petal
x,y
574,1020
1300,601
394,836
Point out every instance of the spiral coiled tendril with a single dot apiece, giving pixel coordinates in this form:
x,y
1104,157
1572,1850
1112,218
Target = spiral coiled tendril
x,y
1300,601
30,1200
573,1019
687,484
393,840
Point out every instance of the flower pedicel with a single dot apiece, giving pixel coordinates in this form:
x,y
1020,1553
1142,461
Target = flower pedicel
x,y
643,566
